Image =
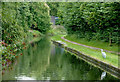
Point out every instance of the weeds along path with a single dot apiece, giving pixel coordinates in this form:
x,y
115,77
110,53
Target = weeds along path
x,y
88,46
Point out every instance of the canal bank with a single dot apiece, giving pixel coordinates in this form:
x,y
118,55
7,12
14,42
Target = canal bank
x,y
100,64
11,52
42,60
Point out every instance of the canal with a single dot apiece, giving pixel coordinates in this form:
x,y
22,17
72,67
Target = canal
x,y
42,60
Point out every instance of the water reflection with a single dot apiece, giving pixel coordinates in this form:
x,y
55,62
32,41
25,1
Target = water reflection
x,y
103,75
24,78
44,61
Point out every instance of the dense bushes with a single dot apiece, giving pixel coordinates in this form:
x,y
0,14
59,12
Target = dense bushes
x,y
17,19
41,16
53,8
99,21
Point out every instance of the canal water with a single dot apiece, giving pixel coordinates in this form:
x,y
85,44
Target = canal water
x,y
43,60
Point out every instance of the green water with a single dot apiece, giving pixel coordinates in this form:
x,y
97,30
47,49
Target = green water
x,y
44,61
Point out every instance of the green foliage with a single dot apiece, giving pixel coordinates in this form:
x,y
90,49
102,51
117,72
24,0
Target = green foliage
x,y
17,18
10,27
41,18
53,8
99,21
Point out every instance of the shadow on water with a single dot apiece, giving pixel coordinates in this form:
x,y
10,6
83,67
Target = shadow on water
x,y
44,61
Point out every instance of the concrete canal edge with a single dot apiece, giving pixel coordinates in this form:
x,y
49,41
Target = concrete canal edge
x,y
114,71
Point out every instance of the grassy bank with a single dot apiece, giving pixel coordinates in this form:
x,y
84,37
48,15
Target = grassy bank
x,y
110,58
93,43
57,30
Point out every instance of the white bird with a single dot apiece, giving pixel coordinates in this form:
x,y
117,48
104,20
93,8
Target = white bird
x,y
103,53
103,75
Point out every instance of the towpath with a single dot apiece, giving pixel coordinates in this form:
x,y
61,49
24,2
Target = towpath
x,y
89,46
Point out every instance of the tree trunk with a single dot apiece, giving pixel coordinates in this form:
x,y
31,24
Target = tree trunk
x,y
110,39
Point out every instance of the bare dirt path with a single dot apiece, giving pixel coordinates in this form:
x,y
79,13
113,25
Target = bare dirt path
x,y
89,46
